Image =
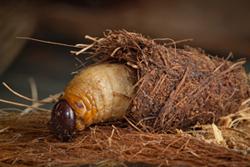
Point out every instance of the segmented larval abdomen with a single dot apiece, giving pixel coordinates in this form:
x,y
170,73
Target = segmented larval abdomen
x,y
100,93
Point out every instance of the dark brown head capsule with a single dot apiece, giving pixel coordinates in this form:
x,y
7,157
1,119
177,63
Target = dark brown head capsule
x,y
63,121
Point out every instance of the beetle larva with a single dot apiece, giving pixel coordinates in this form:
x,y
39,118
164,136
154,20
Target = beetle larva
x,y
96,94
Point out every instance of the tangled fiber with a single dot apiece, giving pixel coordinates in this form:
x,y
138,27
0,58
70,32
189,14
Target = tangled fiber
x,y
26,141
176,88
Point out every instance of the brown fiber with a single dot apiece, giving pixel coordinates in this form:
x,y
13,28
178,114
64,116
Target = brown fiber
x,y
26,141
176,88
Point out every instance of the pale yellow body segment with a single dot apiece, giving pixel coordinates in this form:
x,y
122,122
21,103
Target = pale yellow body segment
x,y
100,93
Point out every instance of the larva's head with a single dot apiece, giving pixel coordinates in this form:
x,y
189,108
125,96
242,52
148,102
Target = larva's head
x,y
63,120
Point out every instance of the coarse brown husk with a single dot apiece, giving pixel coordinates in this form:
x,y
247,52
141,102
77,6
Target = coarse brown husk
x,y
25,140
176,88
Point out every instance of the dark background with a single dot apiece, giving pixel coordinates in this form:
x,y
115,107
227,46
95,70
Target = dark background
x,y
219,27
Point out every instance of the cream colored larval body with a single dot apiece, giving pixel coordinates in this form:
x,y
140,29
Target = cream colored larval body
x,y
100,93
